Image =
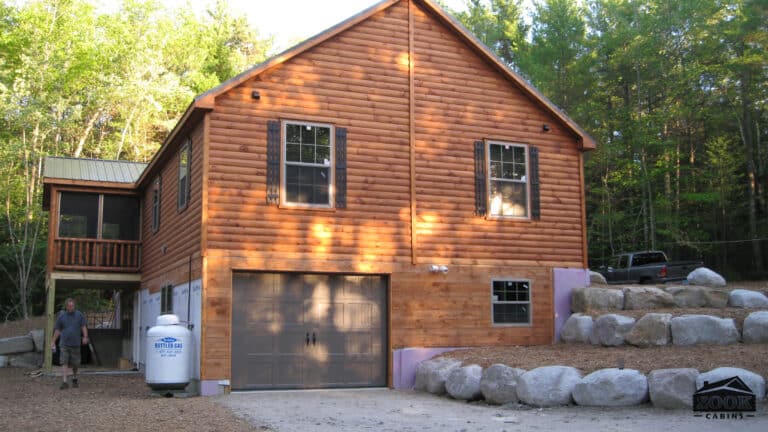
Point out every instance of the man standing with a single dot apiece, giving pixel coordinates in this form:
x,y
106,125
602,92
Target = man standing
x,y
71,326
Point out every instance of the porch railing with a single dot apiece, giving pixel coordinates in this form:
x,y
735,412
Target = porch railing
x,y
97,254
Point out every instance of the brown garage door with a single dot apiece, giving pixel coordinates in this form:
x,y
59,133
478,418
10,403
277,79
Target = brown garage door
x,y
308,331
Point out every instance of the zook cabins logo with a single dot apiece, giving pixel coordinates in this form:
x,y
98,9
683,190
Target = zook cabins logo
x,y
726,399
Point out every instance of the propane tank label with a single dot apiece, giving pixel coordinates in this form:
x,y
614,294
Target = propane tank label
x,y
168,346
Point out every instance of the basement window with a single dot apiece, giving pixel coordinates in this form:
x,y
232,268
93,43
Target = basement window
x,y
511,302
166,299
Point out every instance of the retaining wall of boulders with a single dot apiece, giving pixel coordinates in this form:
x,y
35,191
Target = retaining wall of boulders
x,y
23,351
562,385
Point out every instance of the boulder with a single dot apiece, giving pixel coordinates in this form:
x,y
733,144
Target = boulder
x,y
577,329
548,385
499,384
596,278
584,299
706,277
646,298
692,296
672,388
3,361
756,327
464,383
703,329
611,329
431,374
650,330
18,344
747,299
751,379
28,360
38,338
611,387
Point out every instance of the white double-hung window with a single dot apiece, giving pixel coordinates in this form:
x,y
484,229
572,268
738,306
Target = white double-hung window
x,y
308,165
508,180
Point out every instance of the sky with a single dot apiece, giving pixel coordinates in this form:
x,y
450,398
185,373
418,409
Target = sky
x,y
291,21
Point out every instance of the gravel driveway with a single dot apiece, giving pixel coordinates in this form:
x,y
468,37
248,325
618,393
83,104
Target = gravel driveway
x,y
406,411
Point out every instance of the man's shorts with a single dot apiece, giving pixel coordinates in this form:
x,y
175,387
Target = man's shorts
x,y
70,356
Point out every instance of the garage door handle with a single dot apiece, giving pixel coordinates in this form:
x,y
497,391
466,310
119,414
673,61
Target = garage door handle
x,y
314,341
307,338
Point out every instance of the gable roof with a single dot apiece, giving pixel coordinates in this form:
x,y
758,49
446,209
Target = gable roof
x,y
206,101
95,170
731,385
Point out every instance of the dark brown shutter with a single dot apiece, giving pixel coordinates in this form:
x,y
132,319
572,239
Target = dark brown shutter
x,y
534,166
481,182
341,168
273,162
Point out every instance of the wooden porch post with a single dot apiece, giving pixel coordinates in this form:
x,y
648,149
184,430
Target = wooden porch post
x,y
49,315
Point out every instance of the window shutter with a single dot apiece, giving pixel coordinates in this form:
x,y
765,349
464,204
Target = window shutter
x,y
534,167
273,162
341,167
481,183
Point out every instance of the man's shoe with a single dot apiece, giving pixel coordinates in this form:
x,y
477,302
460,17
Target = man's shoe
x,y
74,383
63,386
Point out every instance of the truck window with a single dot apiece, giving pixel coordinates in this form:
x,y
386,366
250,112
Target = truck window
x,y
622,261
648,258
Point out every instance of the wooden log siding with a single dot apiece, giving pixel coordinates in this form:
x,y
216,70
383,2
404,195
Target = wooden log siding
x,y
359,80
165,253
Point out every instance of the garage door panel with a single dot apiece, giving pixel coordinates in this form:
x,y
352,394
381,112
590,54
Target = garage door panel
x,y
274,313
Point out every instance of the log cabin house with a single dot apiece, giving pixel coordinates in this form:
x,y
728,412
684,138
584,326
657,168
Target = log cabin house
x,y
386,187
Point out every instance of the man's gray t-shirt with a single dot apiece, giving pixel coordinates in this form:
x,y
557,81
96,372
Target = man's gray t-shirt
x,y
69,324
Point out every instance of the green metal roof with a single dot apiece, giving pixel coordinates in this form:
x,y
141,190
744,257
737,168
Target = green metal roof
x,y
97,170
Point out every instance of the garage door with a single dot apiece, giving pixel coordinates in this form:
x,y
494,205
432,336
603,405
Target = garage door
x,y
308,331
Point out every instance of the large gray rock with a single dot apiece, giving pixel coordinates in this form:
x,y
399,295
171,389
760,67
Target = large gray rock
x,y
692,296
38,338
753,380
646,298
672,388
611,329
706,277
703,329
548,385
650,330
611,387
756,327
18,344
28,360
3,361
432,374
429,372
747,299
499,384
464,383
596,278
577,329
592,298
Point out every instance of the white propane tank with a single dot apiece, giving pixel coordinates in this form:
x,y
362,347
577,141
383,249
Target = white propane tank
x,y
168,354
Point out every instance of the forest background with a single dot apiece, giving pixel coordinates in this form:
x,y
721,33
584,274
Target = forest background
x,y
674,92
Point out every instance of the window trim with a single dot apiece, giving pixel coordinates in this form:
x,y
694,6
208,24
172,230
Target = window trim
x,y
185,148
489,179
529,302
331,172
157,190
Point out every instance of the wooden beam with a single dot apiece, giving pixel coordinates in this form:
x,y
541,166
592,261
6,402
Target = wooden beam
x,y
584,245
93,276
49,316
412,131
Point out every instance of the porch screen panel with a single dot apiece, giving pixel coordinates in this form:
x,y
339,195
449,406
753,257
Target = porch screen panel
x,y
121,218
79,215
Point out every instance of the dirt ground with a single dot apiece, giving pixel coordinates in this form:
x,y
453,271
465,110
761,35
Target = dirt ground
x,y
104,403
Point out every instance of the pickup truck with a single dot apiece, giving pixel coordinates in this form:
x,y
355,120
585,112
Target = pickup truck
x,y
647,267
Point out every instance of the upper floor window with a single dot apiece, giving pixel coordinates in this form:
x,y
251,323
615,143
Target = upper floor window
x,y
308,167
156,190
508,180
185,161
98,216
